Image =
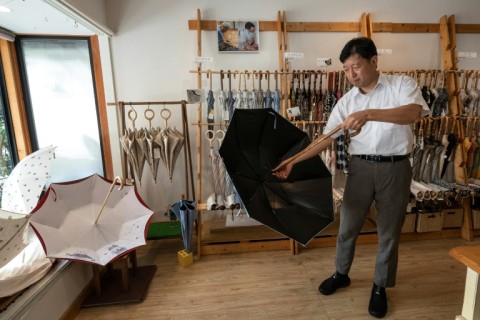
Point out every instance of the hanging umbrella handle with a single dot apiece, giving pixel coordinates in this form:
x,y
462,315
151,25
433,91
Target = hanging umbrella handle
x,y
220,135
268,79
132,118
276,79
221,79
239,80
210,135
117,179
165,114
209,75
150,116
316,142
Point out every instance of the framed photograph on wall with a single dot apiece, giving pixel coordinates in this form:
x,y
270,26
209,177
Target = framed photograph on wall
x,y
238,36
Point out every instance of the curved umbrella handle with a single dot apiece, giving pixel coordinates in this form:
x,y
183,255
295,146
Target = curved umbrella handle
x,y
210,135
165,114
132,118
316,142
220,135
117,179
150,116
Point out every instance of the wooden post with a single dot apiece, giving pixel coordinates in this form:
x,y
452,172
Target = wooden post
x,y
448,46
365,26
199,137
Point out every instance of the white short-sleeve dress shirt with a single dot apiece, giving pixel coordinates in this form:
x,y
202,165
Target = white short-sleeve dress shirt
x,y
379,138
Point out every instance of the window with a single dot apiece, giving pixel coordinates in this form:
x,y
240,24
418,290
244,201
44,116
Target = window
x,y
61,106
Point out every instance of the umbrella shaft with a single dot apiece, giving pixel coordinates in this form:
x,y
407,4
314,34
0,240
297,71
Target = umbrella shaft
x,y
108,195
313,144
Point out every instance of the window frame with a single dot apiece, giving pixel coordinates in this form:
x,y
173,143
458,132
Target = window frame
x,y
7,115
20,102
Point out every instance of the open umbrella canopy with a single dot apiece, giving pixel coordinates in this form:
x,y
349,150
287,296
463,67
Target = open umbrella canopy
x,y
13,235
89,220
25,183
299,207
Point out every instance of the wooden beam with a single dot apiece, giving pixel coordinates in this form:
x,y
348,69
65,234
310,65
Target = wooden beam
x,y
15,99
323,27
405,27
467,28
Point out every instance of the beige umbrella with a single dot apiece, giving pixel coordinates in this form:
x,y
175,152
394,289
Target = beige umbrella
x,y
170,142
135,155
153,136
148,146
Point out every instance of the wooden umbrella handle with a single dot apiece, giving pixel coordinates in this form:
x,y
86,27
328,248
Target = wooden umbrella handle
x,y
316,142
114,182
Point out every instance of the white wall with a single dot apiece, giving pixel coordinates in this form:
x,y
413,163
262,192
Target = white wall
x,y
153,50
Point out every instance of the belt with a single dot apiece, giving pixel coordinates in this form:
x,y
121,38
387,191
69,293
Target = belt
x,y
377,158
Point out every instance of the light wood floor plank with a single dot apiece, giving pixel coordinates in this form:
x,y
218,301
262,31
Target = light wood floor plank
x,y
278,285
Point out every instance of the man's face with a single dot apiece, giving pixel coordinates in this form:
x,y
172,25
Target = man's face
x,y
359,71
251,29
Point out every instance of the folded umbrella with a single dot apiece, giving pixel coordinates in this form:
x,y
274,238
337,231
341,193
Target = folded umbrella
x,y
185,211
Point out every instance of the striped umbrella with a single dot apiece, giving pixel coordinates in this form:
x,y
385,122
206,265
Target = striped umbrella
x,y
214,162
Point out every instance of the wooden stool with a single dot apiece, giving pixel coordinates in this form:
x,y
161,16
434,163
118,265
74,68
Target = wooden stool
x,y
123,269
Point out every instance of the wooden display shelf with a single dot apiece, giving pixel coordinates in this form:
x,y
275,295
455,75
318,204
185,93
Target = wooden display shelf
x,y
216,238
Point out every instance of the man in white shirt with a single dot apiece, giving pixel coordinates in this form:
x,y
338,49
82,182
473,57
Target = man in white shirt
x,y
383,107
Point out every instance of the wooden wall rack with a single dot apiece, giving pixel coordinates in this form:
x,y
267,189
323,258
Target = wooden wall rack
x,y
447,29
188,167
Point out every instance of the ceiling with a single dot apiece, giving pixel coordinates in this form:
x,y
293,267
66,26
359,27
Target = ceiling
x,y
38,17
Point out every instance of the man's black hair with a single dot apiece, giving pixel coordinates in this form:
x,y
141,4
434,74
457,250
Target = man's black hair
x,y
249,25
362,46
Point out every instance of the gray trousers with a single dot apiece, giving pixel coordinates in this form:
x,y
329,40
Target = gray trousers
x,y
388,184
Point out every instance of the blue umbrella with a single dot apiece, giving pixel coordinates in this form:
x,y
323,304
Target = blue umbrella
x,y
267,102
276,95
185,211
210,104
230,101
276,100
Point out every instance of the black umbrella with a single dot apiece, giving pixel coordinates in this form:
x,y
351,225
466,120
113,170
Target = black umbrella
x,y
256,141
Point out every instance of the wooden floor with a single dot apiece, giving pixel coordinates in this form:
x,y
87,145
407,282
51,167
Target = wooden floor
x,y
278,285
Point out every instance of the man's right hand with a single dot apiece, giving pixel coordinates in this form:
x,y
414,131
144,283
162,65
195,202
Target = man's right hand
x,y
282,171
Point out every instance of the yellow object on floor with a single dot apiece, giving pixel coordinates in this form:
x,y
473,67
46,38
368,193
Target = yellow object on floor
x,y
185,259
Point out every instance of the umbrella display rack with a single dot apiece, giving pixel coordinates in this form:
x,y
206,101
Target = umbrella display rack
x,y
165,114
240,241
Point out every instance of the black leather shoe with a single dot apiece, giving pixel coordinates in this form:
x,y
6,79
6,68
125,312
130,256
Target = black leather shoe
x,y
337,281
378,302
